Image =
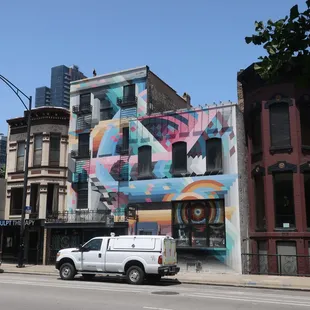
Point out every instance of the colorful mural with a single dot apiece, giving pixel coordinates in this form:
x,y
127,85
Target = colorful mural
x,y
196,204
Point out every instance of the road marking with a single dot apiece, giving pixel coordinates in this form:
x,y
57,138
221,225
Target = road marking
x,y
154,308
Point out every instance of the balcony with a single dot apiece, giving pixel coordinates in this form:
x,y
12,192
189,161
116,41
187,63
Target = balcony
x,y
127,101
84,108
83,123
80,216
82,153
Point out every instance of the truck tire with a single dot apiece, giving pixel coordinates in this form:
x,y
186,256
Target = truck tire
x,y
87,276
67,271
135,275
153,278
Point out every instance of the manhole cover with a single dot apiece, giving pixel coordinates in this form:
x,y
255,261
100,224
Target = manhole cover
x,y
165,293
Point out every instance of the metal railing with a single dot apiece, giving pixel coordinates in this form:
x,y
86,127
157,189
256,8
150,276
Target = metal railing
x,y
276,264
127,100
82,108
82,153
79,216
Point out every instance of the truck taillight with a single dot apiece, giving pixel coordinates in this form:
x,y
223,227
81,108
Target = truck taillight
x,y
160,260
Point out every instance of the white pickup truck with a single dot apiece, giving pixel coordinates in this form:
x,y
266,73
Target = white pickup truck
x,y
137,257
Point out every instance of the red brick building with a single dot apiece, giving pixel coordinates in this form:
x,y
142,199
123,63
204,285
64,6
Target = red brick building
x,y
277,124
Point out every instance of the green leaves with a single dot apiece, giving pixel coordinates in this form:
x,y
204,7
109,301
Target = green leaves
x,y
286,41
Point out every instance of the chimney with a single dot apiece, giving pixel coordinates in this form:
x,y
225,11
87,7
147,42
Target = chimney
x,y
187,98
240,93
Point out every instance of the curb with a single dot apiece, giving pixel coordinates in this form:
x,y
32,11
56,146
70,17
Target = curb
x,y
191,282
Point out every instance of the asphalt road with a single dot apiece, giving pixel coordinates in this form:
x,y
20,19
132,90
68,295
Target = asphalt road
x,y
20,292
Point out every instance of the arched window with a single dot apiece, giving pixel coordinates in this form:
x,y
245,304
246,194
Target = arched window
x,y
214,156
179,157
279,125
145,160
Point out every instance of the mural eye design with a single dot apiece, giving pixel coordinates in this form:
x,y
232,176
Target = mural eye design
x,y
198,213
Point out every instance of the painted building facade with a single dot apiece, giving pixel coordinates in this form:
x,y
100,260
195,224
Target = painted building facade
x,y
145,170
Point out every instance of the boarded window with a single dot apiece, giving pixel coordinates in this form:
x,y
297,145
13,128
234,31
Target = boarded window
x,y
145,160
280,125
214,155
179,157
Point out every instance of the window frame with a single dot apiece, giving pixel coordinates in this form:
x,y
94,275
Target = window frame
x,y
215,171
18,167
257,196
147,174
35,150
54,163
82,188
84,247
82,152
21,189
175,153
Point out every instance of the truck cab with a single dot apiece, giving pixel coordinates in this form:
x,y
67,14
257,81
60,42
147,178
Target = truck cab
x,y
136,257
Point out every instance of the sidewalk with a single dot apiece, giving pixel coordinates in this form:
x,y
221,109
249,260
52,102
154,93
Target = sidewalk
x,y
258,281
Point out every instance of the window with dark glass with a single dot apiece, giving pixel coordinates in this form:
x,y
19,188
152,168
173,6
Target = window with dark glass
x,y
179,157
199,224
52,198
256,131
54,156
83,145
35,197
304,111
307,196
284,200
129,92
85,102
93,245
145,160
105,109
37,150
214,155
259,202
20,162
16,201
280,125
125,145
82,195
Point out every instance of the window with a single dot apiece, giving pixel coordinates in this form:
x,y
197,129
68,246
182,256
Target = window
x,y
284,200
145,160
84,145
125,145
256,131
84,102
82,195
287,260
37,150
179,157
52,198
307,196
304,111
129,92
93,245
259,202
199,224
16,203
35,197
105,110
20,156
280,125
54,155
214,155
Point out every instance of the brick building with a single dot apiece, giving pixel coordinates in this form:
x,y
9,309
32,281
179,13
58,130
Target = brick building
x,y
278,138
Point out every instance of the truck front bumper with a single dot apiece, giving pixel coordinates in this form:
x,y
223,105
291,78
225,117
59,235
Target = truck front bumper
x,y
168,270
57,265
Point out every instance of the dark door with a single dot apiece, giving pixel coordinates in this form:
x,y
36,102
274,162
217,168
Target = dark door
x,y
33,247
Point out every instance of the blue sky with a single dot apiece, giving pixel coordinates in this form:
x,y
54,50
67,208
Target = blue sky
x,y
195,46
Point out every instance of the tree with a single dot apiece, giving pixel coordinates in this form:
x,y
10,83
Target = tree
x,y
287,42
2,172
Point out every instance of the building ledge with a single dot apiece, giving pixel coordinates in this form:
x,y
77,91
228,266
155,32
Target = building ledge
x,y
281,149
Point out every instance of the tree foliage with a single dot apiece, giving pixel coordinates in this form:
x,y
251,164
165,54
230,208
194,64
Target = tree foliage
x,y
287,42
2,172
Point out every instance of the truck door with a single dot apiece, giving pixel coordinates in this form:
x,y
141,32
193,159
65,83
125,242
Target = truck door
x,y
92,256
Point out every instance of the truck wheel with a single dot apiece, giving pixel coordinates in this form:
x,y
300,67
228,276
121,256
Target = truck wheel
x,y
87,276
153,278
135,275
67,271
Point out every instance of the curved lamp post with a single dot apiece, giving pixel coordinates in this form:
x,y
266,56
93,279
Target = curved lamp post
x,y
18,93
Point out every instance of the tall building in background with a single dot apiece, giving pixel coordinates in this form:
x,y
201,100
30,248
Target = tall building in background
x,y
43,96
58,94
3,141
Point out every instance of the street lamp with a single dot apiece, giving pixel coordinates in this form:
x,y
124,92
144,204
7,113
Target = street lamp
x,y
18,92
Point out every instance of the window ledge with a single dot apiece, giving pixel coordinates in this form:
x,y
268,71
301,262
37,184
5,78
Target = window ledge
x,y
281,149
305,149
214,172
180,173
260,229
285,229
144,177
